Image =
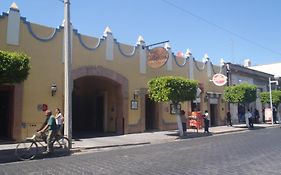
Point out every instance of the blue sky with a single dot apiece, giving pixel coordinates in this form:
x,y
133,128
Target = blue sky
x,y
230,29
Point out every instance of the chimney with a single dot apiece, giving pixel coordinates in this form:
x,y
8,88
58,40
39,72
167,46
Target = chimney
x,y
247,63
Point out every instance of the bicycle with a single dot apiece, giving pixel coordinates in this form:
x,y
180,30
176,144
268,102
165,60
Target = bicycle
x,y
29,149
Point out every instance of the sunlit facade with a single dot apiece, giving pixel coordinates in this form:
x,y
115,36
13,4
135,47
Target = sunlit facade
x,y
109,82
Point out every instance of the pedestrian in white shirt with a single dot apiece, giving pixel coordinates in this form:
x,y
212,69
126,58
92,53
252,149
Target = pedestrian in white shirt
x,y
59,120
249,120
206,118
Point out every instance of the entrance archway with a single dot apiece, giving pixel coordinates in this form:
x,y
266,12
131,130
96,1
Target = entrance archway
x,y
151,116
99,101
6,112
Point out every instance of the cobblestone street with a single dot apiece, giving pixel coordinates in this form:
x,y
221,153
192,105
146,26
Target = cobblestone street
x,y
253,152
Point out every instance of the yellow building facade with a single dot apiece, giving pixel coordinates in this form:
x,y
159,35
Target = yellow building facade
x,y
107,76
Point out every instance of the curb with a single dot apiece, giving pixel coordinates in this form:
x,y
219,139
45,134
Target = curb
x,y
80,149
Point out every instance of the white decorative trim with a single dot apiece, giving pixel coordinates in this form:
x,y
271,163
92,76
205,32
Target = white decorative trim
x,y
170,59
189,56
140,40
142,47
109,40
123,53
142,60
209,73
13,27
191,65
107,31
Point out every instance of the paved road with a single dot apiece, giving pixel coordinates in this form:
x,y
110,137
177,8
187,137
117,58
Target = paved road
x,y
253,152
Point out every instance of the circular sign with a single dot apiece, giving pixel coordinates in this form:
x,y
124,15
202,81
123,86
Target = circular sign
x,y
157,57
44,107
219,79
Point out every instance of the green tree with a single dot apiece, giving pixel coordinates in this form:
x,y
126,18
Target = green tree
x,y
14,67
276,97
174,90
241,94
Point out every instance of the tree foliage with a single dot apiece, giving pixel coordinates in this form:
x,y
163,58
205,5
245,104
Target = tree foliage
x,y
174,89
242,93
14,67
276,97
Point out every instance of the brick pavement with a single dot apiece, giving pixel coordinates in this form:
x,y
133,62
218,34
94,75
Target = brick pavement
x,y
228,154
7,150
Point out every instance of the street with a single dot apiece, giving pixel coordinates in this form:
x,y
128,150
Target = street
x,y
251,152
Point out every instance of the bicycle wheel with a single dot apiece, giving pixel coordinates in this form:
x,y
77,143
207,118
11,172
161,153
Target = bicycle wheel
x,y
26,150
61,146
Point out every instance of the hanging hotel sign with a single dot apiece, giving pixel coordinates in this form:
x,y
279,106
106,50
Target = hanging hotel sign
x,y
157,57
219,79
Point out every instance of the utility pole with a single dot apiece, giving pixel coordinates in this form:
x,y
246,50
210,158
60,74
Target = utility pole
x,y
67,73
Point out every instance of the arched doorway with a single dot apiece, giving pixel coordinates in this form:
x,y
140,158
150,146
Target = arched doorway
x,y
151,116
98,100
6,112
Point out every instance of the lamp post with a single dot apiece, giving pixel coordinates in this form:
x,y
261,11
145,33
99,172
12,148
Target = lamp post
x,y
270,97
67,73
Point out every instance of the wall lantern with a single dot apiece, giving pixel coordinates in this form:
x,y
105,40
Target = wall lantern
x,y
136,94
53,89
134,104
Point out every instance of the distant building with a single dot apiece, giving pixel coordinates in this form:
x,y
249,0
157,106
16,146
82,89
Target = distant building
x,y
274,69
238,74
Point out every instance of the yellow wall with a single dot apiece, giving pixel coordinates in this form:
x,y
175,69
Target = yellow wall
x,y
47,67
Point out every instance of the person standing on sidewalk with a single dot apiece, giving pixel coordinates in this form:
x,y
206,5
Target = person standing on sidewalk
x,y
183,120
59,121
249,118
257,116
206,118
228,119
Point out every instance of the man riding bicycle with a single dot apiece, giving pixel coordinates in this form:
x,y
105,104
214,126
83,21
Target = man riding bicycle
x,y
51,129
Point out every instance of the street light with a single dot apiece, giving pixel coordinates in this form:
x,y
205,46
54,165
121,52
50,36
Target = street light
x,y
67,72
270,96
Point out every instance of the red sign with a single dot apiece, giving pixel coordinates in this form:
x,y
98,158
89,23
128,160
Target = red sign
x,y
157,57
44,107
219,79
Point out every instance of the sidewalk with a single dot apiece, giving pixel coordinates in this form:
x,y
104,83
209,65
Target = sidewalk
x,y
156,137
78,145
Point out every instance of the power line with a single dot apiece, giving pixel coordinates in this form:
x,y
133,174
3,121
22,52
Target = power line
x,y
221,28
